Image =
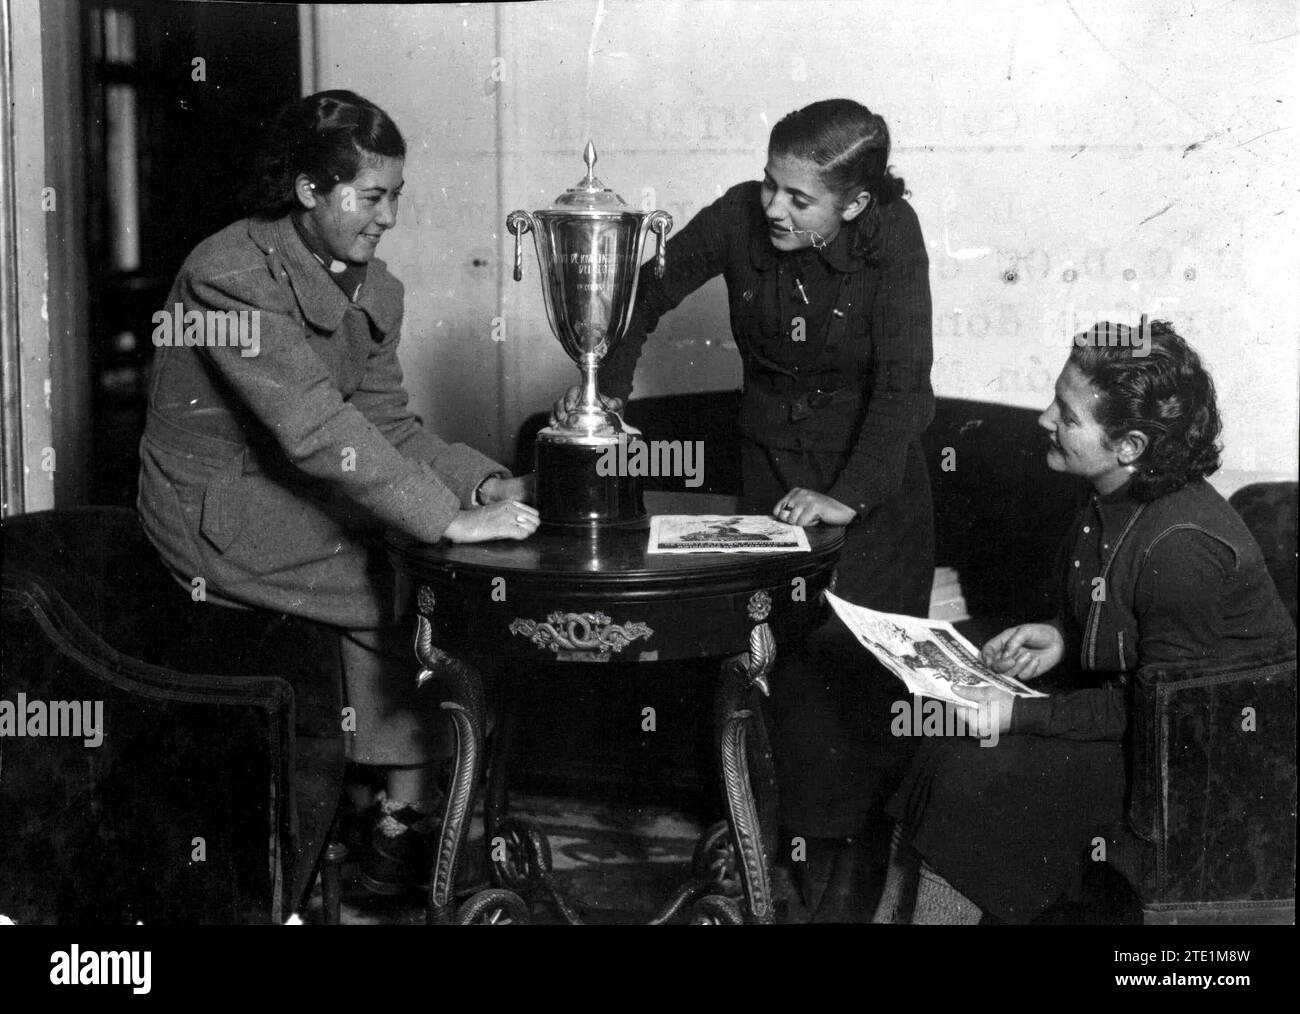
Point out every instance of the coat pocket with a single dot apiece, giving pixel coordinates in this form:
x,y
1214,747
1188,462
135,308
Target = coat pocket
x,y
222,508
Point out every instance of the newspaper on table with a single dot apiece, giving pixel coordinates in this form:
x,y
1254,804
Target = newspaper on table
x,y
724,533
929,656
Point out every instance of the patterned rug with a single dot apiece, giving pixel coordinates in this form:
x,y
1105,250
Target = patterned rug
x,y
615,865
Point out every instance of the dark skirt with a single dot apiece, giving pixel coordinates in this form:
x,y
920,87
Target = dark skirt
x,y
1009,825
836,762
887,562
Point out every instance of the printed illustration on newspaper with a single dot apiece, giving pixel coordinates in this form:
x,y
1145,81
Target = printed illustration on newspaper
x,y
927,655
721,533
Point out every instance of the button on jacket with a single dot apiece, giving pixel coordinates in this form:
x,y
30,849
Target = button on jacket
x,y
263,474
837,351
1181,580
862,339
836,348
1176,579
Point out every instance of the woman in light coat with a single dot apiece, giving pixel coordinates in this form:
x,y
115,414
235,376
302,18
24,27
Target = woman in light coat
x,y
279,445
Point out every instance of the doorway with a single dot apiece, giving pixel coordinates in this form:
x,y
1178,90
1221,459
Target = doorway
x,y
177,99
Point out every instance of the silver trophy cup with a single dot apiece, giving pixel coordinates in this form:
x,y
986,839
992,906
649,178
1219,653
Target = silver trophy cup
x,y
589,246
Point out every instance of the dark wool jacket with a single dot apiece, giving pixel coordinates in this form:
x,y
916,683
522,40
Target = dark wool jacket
x,y
1176,579
857,381
259,472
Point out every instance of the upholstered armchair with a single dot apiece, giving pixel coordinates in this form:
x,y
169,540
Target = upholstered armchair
x,y
1211,829
213,787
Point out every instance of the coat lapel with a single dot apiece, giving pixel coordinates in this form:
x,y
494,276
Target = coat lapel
x,y
381,297
322,302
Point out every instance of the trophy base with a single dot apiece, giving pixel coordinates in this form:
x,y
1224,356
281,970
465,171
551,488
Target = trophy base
x,y
572,492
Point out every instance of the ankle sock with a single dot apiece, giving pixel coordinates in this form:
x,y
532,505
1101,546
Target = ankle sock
x,y
399,816
427,807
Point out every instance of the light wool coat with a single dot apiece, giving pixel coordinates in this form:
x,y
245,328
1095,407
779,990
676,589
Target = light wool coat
x,y
269,475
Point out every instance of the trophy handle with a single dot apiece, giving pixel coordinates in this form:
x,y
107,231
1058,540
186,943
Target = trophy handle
x,y
662,223
520,222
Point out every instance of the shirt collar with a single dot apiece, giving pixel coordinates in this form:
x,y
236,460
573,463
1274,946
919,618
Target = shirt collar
x,y
1119,494
323,303
348,277
841,253
1116,506
838,254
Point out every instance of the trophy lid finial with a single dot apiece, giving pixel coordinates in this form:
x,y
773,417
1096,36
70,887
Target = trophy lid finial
x,y
589,194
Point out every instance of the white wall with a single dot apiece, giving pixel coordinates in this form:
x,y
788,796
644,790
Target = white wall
x,y
1147,152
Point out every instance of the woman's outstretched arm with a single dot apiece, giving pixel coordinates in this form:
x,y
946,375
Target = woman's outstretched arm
x,y
382,398
291,392
696,254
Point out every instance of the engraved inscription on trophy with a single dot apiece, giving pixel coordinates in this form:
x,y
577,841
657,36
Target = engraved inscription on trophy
x,y
589,245
600,265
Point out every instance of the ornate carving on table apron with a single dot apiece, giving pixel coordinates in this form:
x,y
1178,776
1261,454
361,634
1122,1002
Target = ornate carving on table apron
x,y
760,605
580,637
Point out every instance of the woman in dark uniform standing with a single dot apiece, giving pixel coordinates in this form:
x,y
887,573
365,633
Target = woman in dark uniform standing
x,y
827,278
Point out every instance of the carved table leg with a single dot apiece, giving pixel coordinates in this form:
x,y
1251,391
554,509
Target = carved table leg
x,y
734,712
463,701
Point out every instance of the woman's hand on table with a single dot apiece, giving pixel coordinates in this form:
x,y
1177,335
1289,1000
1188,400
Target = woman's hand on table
x,y
992,711
572,398
804,507
496,489
1025,652
509,519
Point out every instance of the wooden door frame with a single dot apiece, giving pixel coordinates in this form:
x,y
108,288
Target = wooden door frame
x,y
25,418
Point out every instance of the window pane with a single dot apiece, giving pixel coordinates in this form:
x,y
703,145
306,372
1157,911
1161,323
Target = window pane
x,y
119,36
123,179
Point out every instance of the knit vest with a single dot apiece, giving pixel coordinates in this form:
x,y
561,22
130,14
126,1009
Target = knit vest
x,y
1254,617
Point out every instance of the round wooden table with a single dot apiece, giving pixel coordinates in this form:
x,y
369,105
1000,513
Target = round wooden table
x,y
565,596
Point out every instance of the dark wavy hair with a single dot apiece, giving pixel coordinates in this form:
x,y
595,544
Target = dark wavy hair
x,y
850,144
1165,393
325,137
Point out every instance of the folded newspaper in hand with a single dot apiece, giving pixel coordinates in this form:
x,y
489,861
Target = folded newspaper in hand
x,y
927,655
722,533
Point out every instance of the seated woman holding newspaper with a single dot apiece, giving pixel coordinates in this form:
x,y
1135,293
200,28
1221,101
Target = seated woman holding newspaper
x,y
1159,569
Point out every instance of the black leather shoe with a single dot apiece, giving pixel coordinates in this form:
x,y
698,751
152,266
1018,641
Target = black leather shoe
x,y
854,883
401,851
403,846
814,872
